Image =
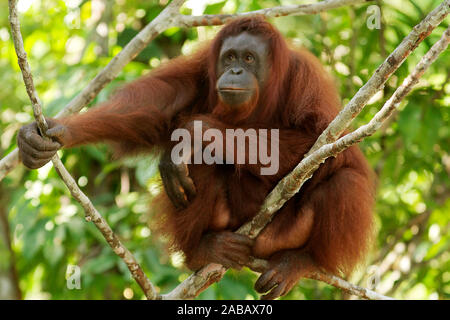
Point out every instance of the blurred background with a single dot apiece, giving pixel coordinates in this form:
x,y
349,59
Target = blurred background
x,y
43,231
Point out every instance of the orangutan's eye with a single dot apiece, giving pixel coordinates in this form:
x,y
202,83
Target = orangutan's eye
x,y
231,57
249,58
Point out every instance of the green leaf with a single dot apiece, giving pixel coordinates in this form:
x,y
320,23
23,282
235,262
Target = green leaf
x,y
215,8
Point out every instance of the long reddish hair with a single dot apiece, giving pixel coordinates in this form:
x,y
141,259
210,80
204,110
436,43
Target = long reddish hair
x,y
297,88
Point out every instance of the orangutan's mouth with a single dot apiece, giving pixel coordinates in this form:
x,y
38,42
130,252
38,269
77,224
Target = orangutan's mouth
x,y
232,89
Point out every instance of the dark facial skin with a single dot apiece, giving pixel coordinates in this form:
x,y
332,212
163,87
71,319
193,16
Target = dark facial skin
x,y
242,66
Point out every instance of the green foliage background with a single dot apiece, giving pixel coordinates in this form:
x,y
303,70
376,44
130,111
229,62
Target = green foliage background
x,y
42,229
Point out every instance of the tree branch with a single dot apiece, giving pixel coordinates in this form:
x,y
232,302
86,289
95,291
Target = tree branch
x,y
383,72
280,11
348,287
91,213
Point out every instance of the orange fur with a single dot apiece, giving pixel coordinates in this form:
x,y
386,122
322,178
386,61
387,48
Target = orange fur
x,y
330,218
